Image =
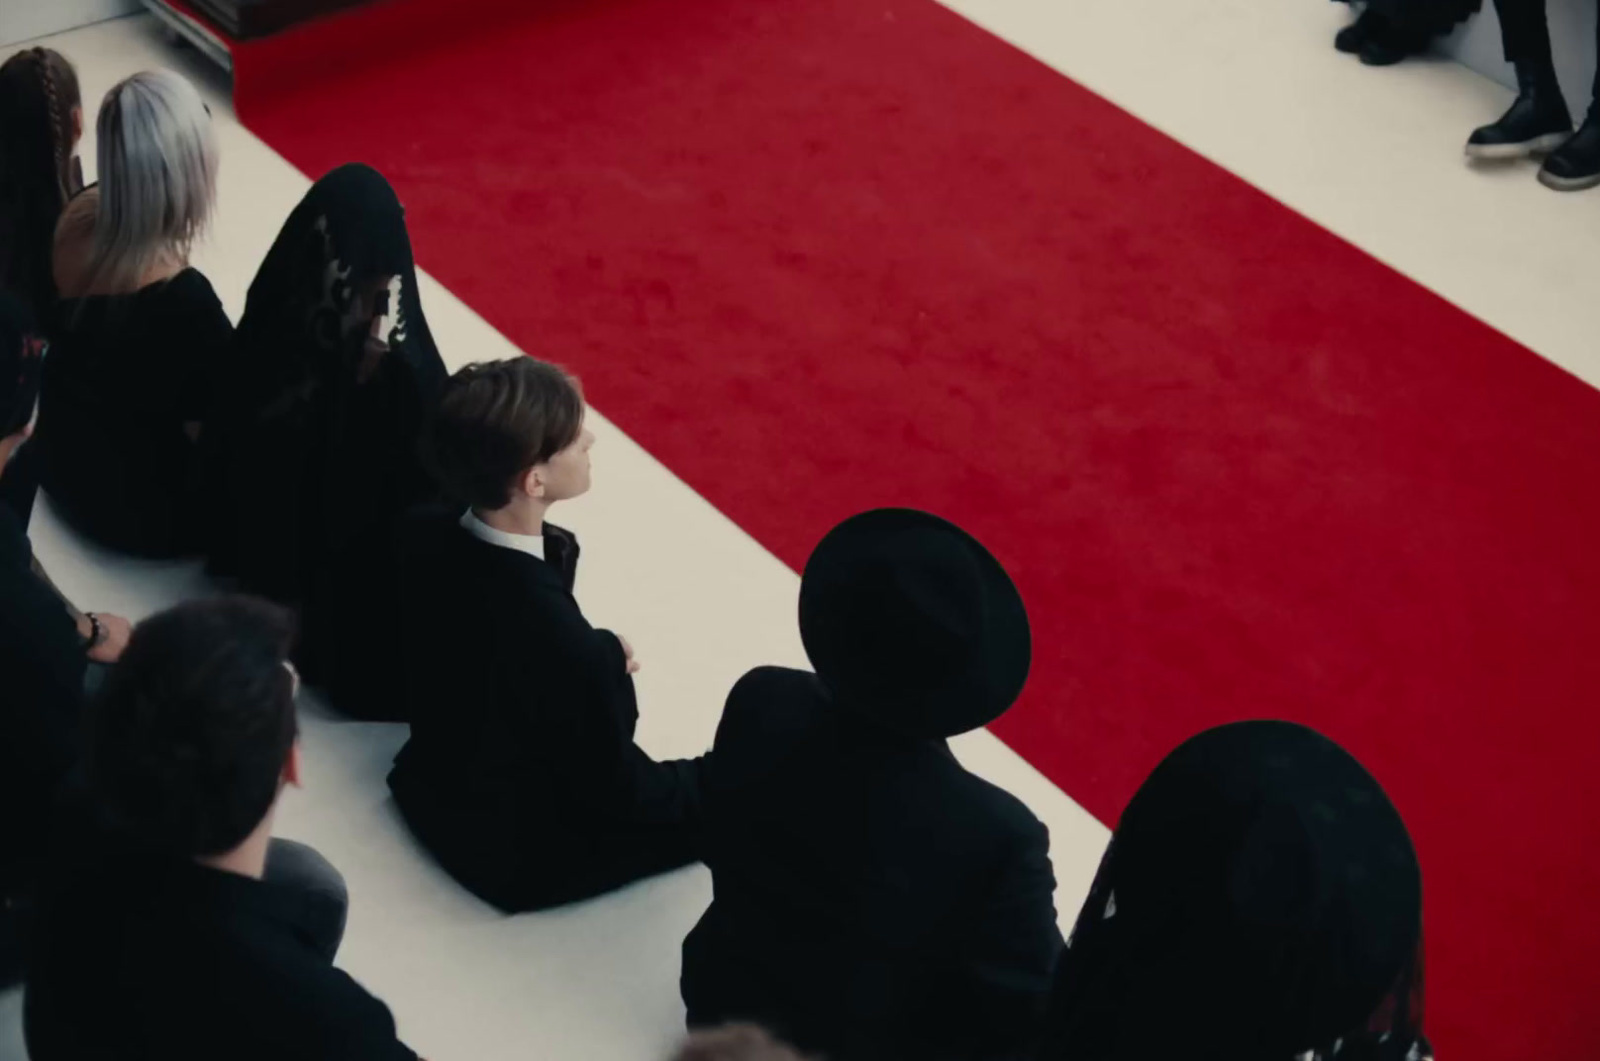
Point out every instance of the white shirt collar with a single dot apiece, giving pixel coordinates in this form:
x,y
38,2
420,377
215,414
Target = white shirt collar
x,y
532,544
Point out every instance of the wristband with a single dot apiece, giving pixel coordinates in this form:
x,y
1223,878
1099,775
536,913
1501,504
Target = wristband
x,y
97,632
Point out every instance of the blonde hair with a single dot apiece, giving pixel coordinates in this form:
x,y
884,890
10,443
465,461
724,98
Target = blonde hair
x,y
157,156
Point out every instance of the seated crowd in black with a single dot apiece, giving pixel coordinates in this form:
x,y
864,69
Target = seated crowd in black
x,y
872,899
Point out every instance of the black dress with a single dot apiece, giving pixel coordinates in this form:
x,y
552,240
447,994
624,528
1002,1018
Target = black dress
x,y
521,775
1423,18
127,379
317,456
873,901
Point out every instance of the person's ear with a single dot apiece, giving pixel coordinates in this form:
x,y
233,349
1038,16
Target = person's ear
x,y
77,124
291,765
533,481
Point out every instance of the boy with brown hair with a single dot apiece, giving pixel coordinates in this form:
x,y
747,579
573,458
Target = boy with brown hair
x,y
521,775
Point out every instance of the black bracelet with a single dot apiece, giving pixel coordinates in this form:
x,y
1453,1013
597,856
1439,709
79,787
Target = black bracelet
x,y
97,632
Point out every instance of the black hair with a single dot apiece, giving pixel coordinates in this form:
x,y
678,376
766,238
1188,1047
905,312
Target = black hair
x,y
187,741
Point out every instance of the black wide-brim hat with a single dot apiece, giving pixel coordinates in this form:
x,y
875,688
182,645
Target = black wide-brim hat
x,y
911,622
1261,873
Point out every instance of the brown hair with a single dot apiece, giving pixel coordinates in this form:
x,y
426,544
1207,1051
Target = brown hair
x,y
736,1042
38,94
498,419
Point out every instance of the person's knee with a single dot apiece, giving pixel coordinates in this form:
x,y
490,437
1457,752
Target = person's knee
x,y
303,868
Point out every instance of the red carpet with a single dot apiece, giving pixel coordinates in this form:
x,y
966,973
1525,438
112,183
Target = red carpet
x,y
822,255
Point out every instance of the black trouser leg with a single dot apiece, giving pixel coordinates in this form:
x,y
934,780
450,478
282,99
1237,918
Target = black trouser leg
x,y
1525,33
324,902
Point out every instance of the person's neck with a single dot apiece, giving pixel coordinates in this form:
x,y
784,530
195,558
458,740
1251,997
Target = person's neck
x,y
525,515
249,859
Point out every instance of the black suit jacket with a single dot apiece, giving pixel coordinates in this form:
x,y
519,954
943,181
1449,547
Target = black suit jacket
x,y
521,768
873,899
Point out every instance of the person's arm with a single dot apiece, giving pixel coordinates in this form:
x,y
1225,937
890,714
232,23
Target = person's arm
x,y
585,701
209,345
1013,945
104,635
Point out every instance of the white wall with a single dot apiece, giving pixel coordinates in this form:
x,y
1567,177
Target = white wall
x,y
22,20
1572,37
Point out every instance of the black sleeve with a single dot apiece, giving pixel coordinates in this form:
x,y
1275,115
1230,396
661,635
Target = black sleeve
x,y
1014,943
586,705
203,335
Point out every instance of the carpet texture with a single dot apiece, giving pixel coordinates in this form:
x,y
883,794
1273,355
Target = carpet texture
x,y
824,255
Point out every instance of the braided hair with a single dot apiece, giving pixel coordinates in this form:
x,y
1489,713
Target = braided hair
x,y
38,100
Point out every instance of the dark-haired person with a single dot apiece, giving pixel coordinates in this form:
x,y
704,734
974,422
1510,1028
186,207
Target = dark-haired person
x,y
1260,901
521,775
47,648
872,899
41,122
174,925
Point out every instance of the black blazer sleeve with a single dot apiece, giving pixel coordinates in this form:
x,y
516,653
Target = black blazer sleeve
x,y
1014,942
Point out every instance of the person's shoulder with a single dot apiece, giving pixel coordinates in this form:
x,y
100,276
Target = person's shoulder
x,y
769,685
192,288
1005,815
772,699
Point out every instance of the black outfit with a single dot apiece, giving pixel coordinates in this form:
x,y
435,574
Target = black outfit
x,y
874,901
126,377
42,664
1259,901
138,957
317,456
521,775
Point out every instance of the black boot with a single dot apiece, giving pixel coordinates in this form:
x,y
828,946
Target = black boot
x,y
1388,43
1575,165
1537,122
1350,39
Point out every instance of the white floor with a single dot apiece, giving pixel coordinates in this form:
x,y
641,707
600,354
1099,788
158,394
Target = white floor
x,y
1374,155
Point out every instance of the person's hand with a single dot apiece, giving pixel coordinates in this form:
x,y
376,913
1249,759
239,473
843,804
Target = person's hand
x,y
116,632
627,655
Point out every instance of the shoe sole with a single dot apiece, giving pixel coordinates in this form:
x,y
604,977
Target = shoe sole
x,y
1568,184
1539,145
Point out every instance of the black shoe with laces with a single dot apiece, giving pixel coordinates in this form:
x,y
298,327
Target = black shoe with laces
x,y
1537,122
1350,39
1575,165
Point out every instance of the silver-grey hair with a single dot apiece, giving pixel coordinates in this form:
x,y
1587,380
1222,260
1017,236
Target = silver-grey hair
x,y
157,156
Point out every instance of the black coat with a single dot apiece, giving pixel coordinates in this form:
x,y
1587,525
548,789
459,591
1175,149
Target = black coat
x,y
42,666
521,775
873,900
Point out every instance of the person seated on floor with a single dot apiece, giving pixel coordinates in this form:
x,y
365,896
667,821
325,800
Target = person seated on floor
x,y
41,121
316,454
139,334
1260,901
873,900
172,924
47,650
521,774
